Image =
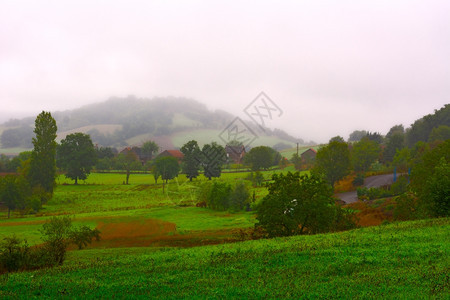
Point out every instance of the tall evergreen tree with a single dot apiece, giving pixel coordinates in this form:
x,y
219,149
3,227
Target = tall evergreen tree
x,y
43,157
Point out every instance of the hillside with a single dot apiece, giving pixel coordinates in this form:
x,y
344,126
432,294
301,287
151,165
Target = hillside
x,y
408,260
119,122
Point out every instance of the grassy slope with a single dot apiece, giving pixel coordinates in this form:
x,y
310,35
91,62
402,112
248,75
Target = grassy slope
x,y
397,261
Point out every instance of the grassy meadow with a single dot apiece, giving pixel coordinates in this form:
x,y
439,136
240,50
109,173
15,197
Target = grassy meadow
x,y
158,244
408,260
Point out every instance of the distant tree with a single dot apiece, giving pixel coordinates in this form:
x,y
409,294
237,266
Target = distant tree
x,y
258,158
105,152
239,197
76,156
13,192
337,139
333,161
191,159
235,143
395,129
212,158
395,142
296,205
357,135
128,161
42,170
402,159
440,133
17,137
375,136
421,129
16,162
167,167
363,154
149,148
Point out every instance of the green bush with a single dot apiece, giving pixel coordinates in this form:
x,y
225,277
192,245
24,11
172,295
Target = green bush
x,y
83,236
13,254
239,197
219,196
359,180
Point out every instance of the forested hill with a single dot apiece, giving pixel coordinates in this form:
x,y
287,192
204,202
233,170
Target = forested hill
x,y
126,121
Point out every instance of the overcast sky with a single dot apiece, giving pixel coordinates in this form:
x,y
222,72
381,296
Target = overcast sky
x,y
330,66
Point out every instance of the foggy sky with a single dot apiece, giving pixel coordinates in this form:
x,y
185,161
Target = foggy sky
x,y
331,66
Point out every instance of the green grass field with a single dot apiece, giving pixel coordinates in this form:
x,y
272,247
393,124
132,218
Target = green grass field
x,y
157,244
408,260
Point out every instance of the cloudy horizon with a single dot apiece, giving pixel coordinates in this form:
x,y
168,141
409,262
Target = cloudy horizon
x,y
331,67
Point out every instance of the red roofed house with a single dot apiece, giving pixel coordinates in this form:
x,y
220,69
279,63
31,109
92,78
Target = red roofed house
x,y
174,153
308,156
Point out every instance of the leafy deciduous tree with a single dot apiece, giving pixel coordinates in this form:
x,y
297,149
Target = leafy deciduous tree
x,y
76,156
363,154
191,159
333,161
212,158
296,205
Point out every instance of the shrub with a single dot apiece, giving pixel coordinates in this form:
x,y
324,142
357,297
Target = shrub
x,y
13,254
83,236
219,196
359,180
239,197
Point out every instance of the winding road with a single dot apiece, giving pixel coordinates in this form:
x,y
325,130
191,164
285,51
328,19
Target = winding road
x,y
369,182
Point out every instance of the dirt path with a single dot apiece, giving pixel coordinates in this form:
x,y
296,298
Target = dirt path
x,y
369,182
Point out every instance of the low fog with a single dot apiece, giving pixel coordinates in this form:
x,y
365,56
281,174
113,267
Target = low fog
x,y
331,67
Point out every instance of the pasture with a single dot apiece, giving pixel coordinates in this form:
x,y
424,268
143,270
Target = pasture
x,y
408,260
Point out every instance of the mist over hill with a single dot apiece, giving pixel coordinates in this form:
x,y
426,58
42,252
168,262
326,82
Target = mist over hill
x,y
119,122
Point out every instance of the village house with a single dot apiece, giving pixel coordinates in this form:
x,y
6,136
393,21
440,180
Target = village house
x,y
173,153
235,154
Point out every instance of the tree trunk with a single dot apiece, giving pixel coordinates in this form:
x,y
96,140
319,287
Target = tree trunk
x,y
9,211
128,176
76,180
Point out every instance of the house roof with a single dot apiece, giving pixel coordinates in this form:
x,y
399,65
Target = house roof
x,y
310,149
174,153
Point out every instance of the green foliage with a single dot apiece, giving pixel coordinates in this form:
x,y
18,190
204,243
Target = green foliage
x,y
17,137
167,167
55,234
357,135
333,161
149,148
239,197
257,178
430,180
76,155
297,161
127,161
440,133
364,153
83,236
13,254
14,192
395,142
296,205
43,164
259,158
359,179
191,159
422,128
222,196
406,208
212,158
219,196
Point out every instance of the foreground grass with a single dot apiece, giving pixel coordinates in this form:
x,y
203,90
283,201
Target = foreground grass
x,y
400,260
